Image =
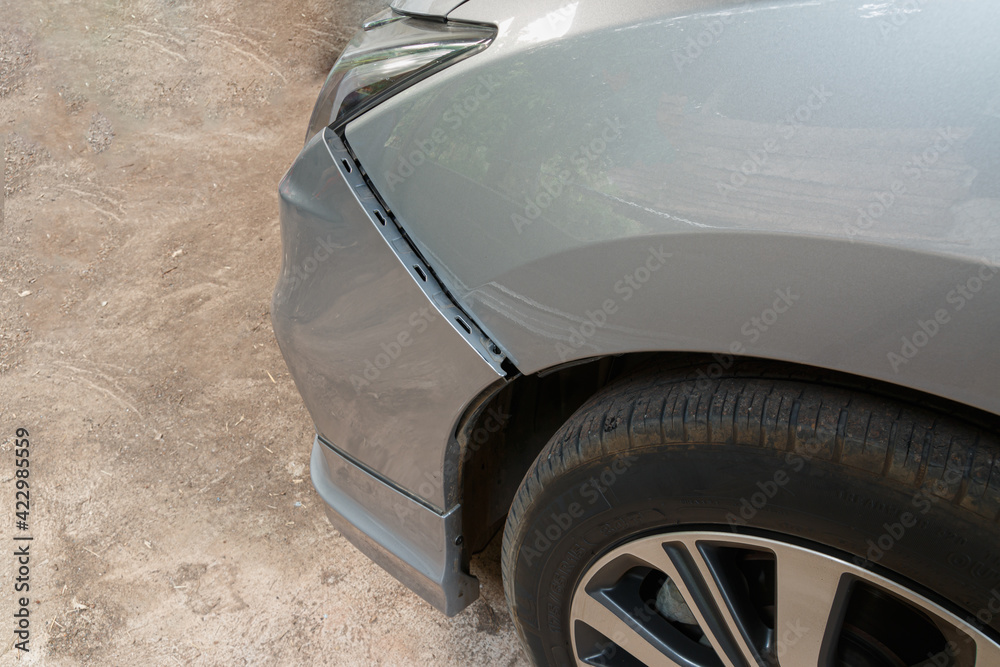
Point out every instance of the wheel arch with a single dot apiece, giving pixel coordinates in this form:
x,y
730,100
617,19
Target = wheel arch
x,y
504,430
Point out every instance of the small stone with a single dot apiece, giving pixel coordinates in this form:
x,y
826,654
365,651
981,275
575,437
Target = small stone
x,y
100,134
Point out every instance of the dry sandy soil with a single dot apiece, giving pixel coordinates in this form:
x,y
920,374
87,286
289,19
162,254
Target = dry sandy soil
x,y
171,509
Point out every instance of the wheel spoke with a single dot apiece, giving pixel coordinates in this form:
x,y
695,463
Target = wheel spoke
x,y
703,597
758,601
723,611
807,601
987,653
625,634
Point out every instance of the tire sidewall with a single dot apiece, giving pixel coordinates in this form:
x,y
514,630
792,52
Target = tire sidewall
x,y
613,498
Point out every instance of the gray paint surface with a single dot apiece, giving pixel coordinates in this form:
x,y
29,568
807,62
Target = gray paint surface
x,y
428,7
411,542
817,182
381,365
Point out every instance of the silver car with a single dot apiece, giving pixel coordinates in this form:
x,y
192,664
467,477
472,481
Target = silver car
x,y
694,300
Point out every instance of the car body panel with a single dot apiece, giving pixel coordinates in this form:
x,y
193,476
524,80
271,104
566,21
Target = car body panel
x,y
828,196
413,543
426,7
814,181
374,349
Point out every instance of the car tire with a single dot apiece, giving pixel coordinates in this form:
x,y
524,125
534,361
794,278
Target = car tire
x,y
770,495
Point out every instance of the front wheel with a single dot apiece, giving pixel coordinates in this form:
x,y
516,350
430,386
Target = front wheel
x,y
757,521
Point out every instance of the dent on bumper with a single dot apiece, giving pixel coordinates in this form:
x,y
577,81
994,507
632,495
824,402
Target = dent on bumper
x,y
386,365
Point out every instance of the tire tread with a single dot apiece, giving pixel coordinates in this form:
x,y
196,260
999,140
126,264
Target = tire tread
x,y
900,442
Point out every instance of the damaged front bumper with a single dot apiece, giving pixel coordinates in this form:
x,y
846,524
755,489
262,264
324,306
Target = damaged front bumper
x,y
386,365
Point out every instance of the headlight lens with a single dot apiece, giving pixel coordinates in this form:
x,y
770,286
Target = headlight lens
x,y
392,52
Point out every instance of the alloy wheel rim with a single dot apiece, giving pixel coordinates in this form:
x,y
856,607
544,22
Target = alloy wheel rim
x,y
758,601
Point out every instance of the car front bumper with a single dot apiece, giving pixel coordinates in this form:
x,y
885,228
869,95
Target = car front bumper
x,y
386,365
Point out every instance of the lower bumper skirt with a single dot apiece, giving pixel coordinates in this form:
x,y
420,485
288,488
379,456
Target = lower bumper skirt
x,y
412,542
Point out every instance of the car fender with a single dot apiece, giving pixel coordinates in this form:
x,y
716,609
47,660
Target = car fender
x,y
812,182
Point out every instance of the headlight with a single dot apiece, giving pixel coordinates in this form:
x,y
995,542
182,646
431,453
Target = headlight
x,y
391,52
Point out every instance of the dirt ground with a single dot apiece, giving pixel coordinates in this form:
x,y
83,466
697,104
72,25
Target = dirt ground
x,y
171,510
